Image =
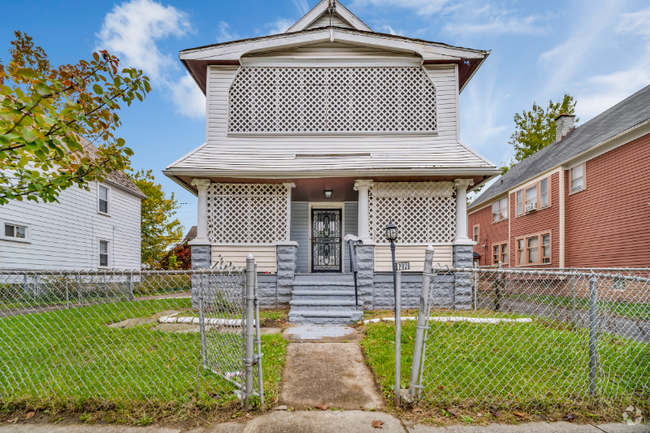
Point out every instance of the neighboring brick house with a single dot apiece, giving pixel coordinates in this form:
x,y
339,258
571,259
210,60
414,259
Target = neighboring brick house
x,y
583,201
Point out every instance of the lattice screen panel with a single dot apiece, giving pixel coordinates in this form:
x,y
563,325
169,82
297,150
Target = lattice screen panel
x,y
293,100
247,213
424,212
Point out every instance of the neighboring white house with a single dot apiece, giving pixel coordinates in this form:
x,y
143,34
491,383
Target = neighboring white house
x,y
95,229
326,130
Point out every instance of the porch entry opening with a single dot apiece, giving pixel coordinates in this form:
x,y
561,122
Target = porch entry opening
x,y
326,240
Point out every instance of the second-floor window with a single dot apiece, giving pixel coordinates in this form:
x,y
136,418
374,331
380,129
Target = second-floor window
x,y
534,250
577,178
500,210
533,197
475,234
103,199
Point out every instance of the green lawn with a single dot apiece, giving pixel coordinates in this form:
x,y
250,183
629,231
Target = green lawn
x,y
515,365
72,356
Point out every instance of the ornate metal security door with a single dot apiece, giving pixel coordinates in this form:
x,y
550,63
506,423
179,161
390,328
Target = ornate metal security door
x,y
326,240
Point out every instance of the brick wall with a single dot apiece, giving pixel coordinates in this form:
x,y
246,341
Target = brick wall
x,y
608,223
543,220
489,233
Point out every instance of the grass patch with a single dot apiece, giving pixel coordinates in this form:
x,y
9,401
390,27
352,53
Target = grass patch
x,y
540,366
70,360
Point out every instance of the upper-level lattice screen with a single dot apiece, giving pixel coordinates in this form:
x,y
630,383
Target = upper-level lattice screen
x,y
247,213
424,212
352,100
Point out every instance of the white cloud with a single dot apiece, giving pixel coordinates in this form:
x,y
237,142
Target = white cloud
x,y
132,30
302,6
225,33
636,22
188,98
499,25
279,26
388,29
422,7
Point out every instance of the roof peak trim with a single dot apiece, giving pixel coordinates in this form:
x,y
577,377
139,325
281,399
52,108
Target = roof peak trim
x,y
320,9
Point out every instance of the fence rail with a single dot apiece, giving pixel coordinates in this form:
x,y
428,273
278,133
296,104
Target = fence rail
x,y
124,336
539,339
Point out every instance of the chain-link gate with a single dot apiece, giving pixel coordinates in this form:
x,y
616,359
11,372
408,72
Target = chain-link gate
x,y
131,336
537,339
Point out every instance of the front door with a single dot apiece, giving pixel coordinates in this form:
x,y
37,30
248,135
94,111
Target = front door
x,y
326,240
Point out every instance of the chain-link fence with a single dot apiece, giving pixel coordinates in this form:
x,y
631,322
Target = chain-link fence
x,y
541,339
124,336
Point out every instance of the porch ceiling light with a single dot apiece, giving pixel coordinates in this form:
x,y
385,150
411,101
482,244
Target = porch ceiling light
x,y
391,232
328,193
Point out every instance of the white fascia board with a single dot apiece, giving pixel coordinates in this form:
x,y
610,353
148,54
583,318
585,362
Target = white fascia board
x,y
178,181
319,10
330,62
299,174
235,50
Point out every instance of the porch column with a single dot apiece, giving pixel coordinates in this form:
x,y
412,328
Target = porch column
x,y
363,186
202,209
289,186
461,211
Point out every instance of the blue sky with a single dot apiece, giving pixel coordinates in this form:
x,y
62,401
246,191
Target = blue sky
x,y
597,50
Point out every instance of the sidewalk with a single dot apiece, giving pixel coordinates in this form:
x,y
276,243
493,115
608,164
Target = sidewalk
x,y
330,422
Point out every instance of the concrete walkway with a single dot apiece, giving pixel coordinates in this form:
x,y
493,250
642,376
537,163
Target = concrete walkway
x,y
331,422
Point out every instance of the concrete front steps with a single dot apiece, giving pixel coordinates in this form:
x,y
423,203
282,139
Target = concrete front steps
x,y
324,299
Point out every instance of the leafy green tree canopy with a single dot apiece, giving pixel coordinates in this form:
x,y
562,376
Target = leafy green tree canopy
x,y
44,110
159,228
535,129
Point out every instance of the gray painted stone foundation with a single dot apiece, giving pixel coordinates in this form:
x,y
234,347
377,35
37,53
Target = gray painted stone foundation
x,y
365,276
463,257
442,294
286,264
201,259
267,287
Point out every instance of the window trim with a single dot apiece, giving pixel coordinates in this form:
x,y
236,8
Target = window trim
x,y
540,252
99,253
500,245
28,232
108,199
478,233
507,199
538,184
584,178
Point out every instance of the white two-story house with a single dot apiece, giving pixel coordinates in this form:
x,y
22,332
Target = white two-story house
x,y
327,130
90,229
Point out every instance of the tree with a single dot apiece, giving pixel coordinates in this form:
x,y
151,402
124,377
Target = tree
x,y
45,110
535,129
159,228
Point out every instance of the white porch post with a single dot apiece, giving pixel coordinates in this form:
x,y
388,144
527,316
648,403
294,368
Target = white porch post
x,y
289,186
202,209
363,186
461,211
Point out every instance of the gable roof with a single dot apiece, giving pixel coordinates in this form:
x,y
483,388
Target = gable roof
x,y
622,117
117,178
320,10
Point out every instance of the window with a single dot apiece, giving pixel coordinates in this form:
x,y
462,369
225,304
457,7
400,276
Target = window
x,y
103,199
475,235
103,254
500,210
533,197
15,231
543,192
500,253
534,250
578,178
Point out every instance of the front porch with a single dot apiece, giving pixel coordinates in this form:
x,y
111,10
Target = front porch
x,y
297,231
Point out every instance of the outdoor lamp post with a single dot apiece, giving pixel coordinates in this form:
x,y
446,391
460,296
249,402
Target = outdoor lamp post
x,y
391,235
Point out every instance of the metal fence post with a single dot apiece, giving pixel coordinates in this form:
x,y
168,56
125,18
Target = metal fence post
x,y
202,320
258,337
250,334
398,337
422,317
593,336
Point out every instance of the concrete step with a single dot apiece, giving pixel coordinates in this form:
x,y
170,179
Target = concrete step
x,y
315,294
326,317
303,304
322,283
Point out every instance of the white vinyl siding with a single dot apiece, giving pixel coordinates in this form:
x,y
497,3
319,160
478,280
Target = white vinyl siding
x,y
350,227
265,255
66,235
300,234
442,255
324,21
